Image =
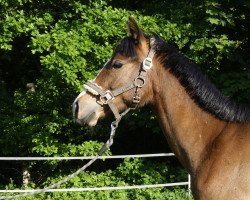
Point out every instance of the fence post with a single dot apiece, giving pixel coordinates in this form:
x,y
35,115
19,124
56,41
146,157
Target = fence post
x,y
189,184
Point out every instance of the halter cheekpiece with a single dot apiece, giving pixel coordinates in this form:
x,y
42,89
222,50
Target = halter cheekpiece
x,y
107,97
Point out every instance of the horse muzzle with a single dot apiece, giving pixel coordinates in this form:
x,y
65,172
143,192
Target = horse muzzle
x,y
86,110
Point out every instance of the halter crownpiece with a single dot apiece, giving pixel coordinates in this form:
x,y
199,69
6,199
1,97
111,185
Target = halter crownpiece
x,y
107,97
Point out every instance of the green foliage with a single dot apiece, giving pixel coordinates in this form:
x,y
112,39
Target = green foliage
x,y
58,46
130,172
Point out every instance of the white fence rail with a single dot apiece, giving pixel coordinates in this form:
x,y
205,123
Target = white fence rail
x,y
87,157
188,183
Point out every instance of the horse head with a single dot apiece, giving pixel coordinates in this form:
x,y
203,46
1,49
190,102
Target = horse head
x,y
124,80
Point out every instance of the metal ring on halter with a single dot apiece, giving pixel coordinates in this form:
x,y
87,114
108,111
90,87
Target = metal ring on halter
x,y
137,81
108,96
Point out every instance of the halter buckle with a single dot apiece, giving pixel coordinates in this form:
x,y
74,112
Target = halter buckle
x,y
108,96
136,99
139,81
147,63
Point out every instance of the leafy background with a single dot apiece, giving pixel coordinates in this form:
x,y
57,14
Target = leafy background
x,y
59,45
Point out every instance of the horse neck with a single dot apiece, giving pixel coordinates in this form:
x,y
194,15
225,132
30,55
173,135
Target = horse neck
x,y
189,130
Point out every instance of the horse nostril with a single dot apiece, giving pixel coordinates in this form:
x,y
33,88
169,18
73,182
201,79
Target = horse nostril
x,y
75,109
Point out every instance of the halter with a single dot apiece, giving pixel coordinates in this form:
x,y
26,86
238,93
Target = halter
x,y
107,97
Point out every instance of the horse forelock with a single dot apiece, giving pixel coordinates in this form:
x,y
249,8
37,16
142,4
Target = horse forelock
x,y
127,47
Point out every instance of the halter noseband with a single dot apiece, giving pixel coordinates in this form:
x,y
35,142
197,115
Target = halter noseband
x,y
107,97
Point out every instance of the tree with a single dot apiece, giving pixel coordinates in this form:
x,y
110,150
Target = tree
x,y
58,46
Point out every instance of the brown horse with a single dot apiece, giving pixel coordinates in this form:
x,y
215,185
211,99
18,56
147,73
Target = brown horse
x,y
209,134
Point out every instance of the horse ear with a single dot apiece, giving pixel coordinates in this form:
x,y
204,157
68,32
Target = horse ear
x,y
134,30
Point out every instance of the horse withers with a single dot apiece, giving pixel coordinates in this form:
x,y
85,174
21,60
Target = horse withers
x,y
209,133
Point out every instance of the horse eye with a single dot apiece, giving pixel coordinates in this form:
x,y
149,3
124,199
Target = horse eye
x,y
117,64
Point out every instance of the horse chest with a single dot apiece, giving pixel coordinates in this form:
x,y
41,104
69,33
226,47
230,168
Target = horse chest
x,y
224,175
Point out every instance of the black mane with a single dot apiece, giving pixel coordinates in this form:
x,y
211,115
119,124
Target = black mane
x,y
201,90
